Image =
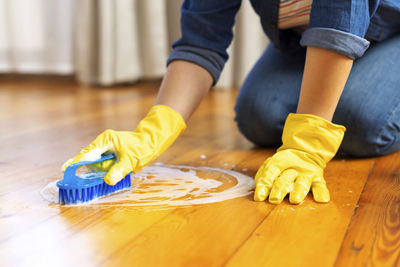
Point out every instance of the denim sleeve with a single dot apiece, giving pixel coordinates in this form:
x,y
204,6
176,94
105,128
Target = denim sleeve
x,y
340,26
206,27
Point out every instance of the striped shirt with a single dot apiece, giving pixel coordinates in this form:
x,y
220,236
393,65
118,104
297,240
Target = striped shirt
x,y
294,13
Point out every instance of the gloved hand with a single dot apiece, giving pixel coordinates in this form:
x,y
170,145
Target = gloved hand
x,y
153,135
309,142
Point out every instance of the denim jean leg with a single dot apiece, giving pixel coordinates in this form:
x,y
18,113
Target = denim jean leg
x,y
269,93
370,104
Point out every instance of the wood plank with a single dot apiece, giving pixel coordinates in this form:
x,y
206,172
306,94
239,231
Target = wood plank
x,y
199,236
309,234
373,237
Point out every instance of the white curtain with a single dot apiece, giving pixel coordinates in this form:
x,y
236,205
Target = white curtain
x,y
36,36
107,42
121,41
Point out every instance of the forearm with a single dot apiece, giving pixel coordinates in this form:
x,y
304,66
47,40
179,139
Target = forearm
x,y
325,75
183,87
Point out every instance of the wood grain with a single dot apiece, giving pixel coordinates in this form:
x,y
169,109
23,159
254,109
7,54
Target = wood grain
x,y
45,123
309,234
373,237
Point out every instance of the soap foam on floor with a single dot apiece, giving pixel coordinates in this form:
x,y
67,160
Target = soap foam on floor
x,y
166,185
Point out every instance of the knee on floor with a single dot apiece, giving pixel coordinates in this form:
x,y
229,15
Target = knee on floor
x,y
261,122
260,119
371,138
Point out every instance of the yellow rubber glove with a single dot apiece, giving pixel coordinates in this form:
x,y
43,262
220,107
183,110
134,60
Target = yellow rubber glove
x,y
134,150
309,143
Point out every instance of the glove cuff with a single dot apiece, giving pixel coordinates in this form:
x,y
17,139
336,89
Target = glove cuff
x,y
163,121
159,129
313,135
173,116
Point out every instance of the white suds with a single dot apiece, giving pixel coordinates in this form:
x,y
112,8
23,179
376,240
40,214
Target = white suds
x,y
163,185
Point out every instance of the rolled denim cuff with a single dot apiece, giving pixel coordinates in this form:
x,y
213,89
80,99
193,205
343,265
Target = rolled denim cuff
x,y
205,58
344,43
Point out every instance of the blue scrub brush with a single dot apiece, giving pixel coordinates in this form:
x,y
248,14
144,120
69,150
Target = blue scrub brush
x,y
80,188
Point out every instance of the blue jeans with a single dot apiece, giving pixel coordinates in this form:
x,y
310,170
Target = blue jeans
x,y
369,106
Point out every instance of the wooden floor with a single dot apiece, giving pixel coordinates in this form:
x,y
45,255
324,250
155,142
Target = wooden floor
x,y
44,123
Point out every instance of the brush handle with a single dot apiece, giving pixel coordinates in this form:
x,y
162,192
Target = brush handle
x,y
69,174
